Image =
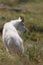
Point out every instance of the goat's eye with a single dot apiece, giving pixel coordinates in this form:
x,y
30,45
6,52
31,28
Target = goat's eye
x,y
22,21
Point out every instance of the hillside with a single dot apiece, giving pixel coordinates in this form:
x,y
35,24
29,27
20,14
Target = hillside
x,y
32,11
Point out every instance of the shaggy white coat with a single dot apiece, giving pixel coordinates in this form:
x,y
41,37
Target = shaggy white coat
x,y
11,38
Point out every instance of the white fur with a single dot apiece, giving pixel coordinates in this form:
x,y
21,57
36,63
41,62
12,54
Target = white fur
x,y
11,37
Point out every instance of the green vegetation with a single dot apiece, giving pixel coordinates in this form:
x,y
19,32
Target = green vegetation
x,y
33,38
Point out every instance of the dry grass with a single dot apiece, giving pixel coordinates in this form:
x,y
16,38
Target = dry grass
x,y
33,49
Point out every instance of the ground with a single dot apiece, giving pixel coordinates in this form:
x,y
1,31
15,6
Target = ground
x,y
33,39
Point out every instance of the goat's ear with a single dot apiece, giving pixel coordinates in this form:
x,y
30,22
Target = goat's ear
x,y
19,19
22,18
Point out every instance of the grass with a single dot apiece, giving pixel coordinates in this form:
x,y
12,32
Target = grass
x,y
33,49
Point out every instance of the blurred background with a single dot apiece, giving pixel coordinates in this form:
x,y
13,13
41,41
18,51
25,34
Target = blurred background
x,y
32,11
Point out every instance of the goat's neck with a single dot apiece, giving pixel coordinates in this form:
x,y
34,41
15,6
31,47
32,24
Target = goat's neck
x,y
15,23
